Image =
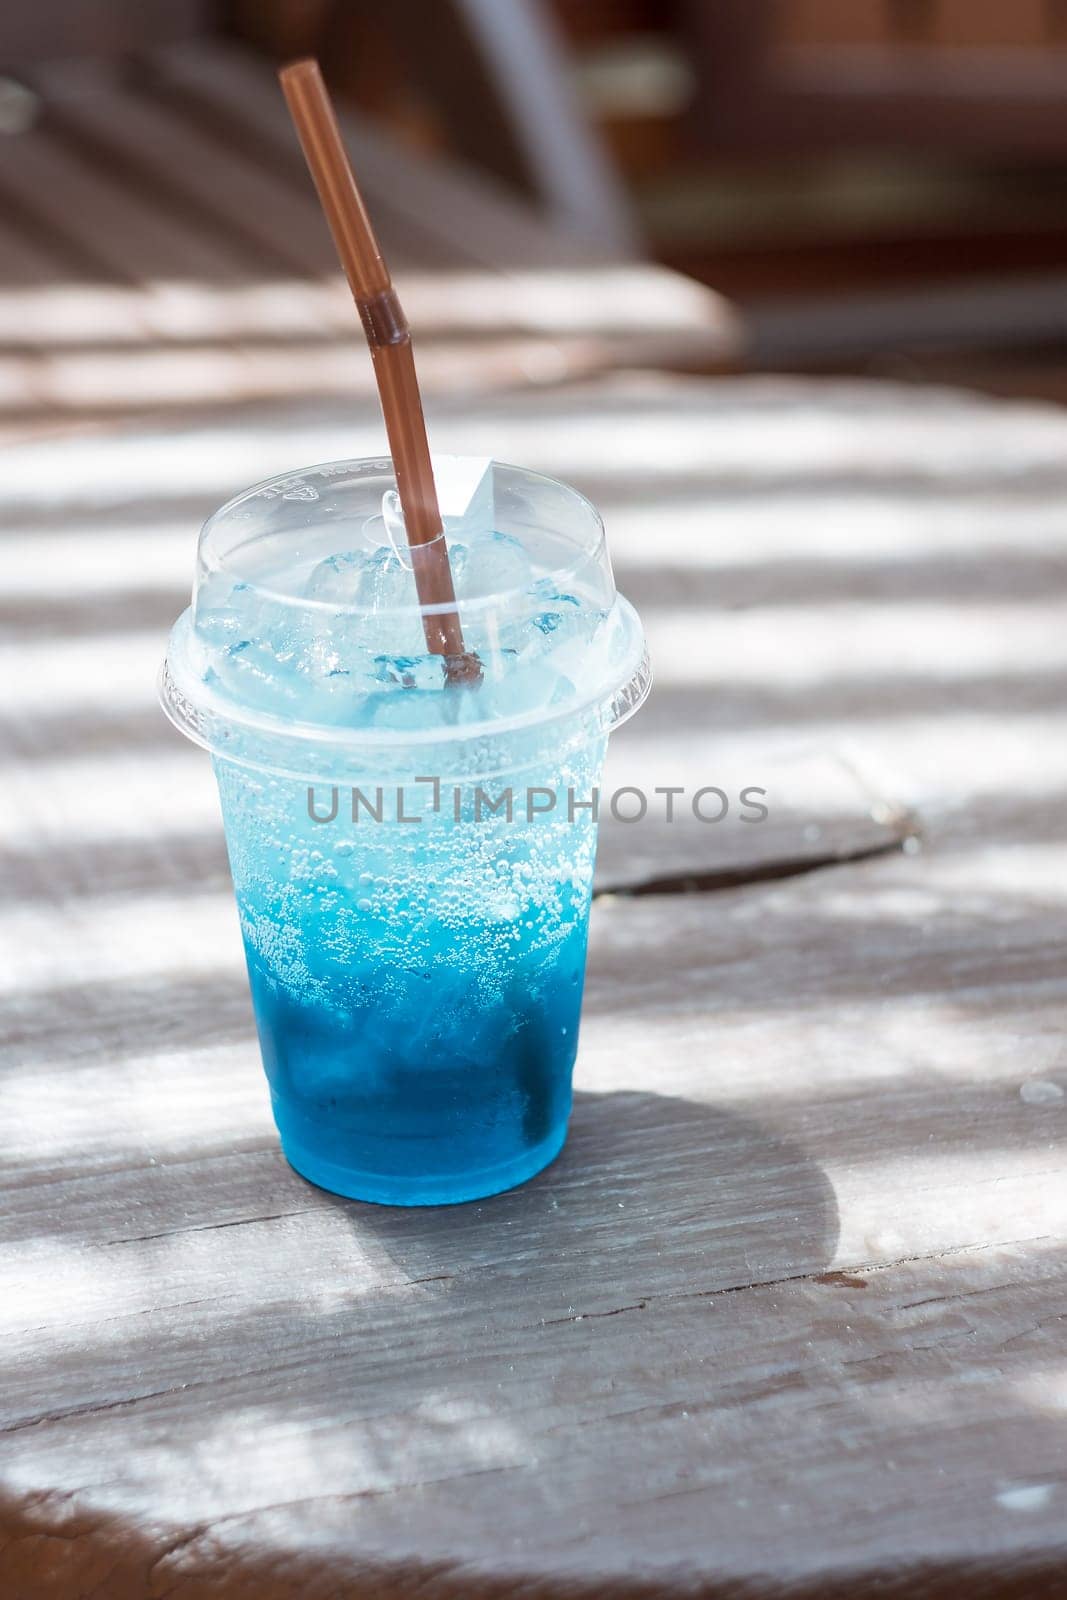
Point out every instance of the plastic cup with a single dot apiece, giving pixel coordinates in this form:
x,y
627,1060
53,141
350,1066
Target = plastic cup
x,y
413,885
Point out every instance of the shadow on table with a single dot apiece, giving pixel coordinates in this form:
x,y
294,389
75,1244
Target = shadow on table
x,y
652,1195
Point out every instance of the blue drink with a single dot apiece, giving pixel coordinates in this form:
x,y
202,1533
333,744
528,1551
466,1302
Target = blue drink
x,y
413,864
418,1016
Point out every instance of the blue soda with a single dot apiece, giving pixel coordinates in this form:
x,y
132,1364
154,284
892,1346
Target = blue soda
x,y
417,987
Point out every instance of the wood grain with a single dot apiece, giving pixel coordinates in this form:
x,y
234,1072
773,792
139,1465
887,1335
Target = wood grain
x,y
786,1317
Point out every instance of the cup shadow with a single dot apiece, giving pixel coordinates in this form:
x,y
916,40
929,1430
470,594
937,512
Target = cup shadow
x,y
652,1194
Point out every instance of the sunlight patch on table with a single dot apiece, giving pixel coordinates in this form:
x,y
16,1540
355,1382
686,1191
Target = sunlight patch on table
x,y
100,942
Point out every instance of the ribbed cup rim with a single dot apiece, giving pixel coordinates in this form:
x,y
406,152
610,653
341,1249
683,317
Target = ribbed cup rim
x,y
215,721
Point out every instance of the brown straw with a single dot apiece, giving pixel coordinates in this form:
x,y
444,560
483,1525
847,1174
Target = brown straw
x,y
387,333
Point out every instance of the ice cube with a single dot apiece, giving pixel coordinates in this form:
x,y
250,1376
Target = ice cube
x,y
549,654
377,588
247,643
410,672
336,577
458,558
252,673
495,564
229,612
221,611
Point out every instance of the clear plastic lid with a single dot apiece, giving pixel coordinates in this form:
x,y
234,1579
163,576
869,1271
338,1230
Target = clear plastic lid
x,y
304,649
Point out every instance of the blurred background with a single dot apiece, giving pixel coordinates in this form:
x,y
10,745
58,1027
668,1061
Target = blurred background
x,y
859,186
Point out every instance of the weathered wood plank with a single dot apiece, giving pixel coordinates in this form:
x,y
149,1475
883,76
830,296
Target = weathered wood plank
x,y
157,377
215,190
481,223
660,1428
26,263
785,1319
474,221
51,29
102,226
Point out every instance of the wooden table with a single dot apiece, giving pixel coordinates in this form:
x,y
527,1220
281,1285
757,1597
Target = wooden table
x,y
787,1316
